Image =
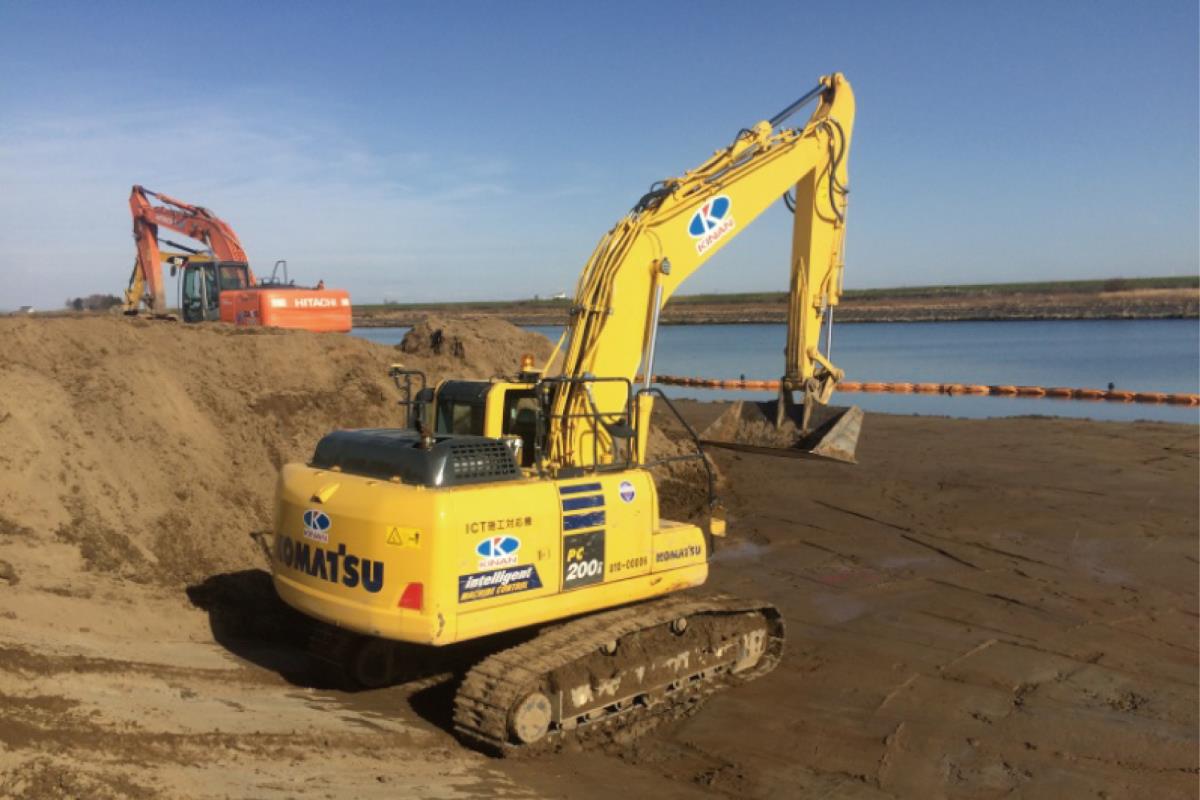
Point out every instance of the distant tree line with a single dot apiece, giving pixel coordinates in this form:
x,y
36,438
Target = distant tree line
x,y
94,302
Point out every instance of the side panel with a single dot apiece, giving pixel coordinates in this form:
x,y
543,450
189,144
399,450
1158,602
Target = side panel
x,y
606,527
505,543
607,556
346,548
241,307
321,310
678,544
436,566
566,604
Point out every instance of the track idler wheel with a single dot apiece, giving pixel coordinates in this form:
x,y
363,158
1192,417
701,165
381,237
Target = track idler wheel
x,y
530,719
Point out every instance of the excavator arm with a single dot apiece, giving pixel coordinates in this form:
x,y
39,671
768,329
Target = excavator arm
x,y
673,231
146,283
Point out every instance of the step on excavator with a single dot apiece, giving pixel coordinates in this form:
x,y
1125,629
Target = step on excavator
x,y
520,515
217,283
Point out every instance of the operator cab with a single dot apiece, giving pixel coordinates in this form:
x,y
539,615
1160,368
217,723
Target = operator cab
x,y
511,412
462,409
460,447
202,284
469,441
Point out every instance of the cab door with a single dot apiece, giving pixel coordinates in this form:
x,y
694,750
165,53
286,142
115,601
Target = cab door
x,y
239,303
199,293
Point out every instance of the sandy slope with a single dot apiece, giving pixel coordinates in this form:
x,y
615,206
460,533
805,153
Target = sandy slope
x,y
154,446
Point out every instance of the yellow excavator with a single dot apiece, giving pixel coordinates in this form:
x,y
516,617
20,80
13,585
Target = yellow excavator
x,y
521,514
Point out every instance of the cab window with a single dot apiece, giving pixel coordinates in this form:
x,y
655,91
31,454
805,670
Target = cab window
x,y
459,417
210,288
520,419
233,277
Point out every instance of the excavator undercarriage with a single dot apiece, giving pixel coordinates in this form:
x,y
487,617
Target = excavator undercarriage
x,y
591,680
616,673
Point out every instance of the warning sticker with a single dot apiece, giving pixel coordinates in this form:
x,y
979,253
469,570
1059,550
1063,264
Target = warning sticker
x,y
404,537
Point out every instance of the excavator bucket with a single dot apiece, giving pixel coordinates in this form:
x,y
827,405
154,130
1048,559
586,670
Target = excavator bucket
x,y
762,427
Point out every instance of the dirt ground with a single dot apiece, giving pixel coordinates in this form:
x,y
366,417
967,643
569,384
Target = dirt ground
x,y
979,608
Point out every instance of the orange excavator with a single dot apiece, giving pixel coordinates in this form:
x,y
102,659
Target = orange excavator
x,y
217,282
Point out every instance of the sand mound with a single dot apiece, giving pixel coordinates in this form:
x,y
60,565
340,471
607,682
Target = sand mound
x,y
153,447
485,347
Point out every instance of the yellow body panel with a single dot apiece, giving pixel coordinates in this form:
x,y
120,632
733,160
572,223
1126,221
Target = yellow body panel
x,y
489,557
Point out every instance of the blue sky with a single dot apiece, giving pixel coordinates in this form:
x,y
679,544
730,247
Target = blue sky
x,y
467,151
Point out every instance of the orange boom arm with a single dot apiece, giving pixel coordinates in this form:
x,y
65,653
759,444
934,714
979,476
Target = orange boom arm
x,y
196,222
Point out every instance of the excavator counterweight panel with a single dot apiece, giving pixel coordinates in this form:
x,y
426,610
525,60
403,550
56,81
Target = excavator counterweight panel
x,y
759,427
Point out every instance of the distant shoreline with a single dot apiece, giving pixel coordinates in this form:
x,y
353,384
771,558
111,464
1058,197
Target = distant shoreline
x,y
410,319
1114,299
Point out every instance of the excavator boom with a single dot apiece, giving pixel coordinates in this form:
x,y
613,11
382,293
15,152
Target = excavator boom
x,y
195,222
673,231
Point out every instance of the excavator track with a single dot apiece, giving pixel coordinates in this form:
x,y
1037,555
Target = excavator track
x,y
615,675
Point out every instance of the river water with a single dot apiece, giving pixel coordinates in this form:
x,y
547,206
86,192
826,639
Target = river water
x,y
1136,355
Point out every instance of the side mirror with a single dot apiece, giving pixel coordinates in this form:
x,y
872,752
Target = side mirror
x,y
413,401
419,419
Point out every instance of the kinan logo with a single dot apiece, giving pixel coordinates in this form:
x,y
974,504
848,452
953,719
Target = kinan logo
x,y
711,222
497,551
316,526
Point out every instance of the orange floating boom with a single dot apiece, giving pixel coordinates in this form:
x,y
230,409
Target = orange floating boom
x,y
999,390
